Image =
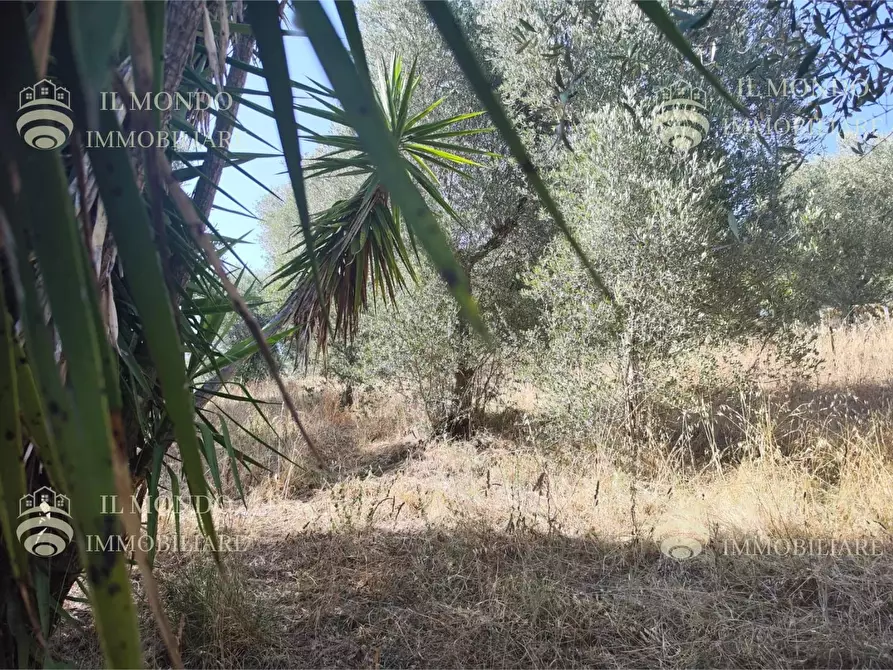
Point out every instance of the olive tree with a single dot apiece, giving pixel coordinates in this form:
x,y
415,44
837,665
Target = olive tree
x,y
655,223
840,208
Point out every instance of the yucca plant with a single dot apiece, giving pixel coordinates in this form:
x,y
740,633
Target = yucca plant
x,y
359,241
114,296
104,293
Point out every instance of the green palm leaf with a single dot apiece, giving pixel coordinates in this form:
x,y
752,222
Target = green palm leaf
x,y
360,240
446,23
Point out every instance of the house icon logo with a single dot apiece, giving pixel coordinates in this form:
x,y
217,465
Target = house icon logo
x,y
44,522
680,115
44,118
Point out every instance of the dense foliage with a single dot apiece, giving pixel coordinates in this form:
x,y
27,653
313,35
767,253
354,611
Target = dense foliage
x,y
494,206
727,243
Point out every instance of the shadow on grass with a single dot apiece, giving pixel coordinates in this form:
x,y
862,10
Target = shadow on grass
x,y
733,424
486,599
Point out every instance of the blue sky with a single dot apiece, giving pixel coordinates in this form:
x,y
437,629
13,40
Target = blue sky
x,y
302,63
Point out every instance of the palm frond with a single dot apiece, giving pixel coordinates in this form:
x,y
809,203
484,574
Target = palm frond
x,y
360,240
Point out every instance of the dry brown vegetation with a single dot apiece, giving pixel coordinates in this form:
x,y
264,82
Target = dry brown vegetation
x,y
499,552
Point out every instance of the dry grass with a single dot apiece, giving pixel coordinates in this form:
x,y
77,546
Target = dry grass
x,y
858,356
499,553
349,438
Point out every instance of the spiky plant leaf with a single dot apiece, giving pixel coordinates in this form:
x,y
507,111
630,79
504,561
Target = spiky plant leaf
x,y
360,240
446,23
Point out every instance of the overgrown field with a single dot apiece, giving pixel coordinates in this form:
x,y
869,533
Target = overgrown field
x,y
511,550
